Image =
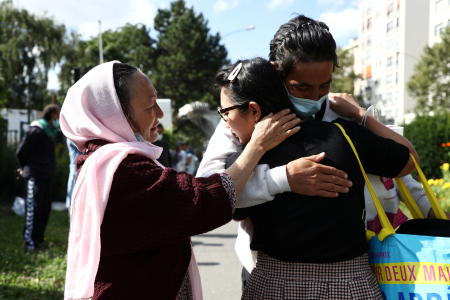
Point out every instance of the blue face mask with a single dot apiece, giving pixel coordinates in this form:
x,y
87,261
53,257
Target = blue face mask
x,y
305,108
56,123
139,137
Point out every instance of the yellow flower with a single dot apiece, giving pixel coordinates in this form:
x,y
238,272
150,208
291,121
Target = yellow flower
x,y
445,166
431,181
446,185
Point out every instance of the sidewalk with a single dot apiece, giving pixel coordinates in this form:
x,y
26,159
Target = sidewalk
x,y
220,269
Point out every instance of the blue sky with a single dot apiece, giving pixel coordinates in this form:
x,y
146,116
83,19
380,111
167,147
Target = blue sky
x,y
224,16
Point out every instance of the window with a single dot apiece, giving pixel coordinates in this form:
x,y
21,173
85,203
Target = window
x,y
369,23
438,29
389,61
438,5
390,9
388,78
389,26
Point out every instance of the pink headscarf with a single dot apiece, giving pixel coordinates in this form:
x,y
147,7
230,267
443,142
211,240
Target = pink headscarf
x,y
91,111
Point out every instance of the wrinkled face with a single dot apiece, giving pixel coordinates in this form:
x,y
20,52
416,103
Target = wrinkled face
x,y
143,107
241,123
310,80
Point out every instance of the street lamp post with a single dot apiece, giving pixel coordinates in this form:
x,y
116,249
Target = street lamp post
x,y
248,28
100,41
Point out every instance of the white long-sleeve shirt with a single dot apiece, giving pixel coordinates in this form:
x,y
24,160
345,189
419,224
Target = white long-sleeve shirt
x,y
265,183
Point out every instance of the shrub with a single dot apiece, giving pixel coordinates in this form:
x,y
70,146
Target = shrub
x,y
441,187
8,165
427,133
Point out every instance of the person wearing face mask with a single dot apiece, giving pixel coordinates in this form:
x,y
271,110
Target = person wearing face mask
x,y
36,156
303,51
309,247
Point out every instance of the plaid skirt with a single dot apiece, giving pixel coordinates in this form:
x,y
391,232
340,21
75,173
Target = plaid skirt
x,y
276,279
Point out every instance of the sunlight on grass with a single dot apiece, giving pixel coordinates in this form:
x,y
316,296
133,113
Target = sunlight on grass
x,y
31,276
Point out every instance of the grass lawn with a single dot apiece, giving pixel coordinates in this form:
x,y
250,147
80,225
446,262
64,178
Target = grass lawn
x,y
32,276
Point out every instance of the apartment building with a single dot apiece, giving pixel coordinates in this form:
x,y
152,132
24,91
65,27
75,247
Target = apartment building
x,y
439,19
392,36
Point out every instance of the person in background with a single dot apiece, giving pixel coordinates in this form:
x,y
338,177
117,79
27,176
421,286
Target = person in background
x,y
36,155
73,154
161,141
132,218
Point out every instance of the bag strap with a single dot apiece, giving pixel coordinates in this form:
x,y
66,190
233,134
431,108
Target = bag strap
x,y
386,225
409,200
437,209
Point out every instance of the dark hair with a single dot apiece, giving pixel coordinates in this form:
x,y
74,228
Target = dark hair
x,y
122,74
49,110
302,40
257,81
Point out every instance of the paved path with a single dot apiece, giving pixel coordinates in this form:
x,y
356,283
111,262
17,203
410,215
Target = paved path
x,y
219,267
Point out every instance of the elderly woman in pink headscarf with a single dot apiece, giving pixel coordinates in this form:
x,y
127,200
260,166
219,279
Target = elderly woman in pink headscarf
x,y
132,219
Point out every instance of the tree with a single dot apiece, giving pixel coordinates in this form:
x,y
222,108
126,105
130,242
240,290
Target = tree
x,y
188,56
130,44
29,47
427,134
344,76
430,83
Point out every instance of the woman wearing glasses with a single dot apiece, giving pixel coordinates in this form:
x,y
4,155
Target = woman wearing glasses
x,y
309,247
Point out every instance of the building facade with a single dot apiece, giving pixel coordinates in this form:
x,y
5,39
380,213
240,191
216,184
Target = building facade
x,y
439,16
392,36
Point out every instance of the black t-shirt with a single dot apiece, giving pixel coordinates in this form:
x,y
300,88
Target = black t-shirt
x,y
301,228
36,154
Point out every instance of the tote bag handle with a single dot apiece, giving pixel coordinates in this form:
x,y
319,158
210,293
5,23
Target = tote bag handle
x,y
412,206
387,228
386,225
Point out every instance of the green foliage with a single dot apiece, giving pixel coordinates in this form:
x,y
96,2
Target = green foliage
x,y
344,76
130,44
427,133
430,83
186,131
29,47
8,166
441,187
32,276
188,56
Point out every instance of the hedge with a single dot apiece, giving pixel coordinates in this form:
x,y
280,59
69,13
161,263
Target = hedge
x,y
428,134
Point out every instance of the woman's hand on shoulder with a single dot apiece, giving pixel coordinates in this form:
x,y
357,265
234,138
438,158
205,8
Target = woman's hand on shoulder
x,y
273,129
346,105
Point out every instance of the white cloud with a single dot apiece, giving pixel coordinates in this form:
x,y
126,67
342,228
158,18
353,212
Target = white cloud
x,y
223,5
220,5
83,15
330,2
343,24
273,4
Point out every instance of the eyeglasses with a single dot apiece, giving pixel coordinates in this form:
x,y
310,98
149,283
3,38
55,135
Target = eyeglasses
x,y
223,111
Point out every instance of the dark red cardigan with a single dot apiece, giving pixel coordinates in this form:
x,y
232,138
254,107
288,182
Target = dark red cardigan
x,y
149,219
